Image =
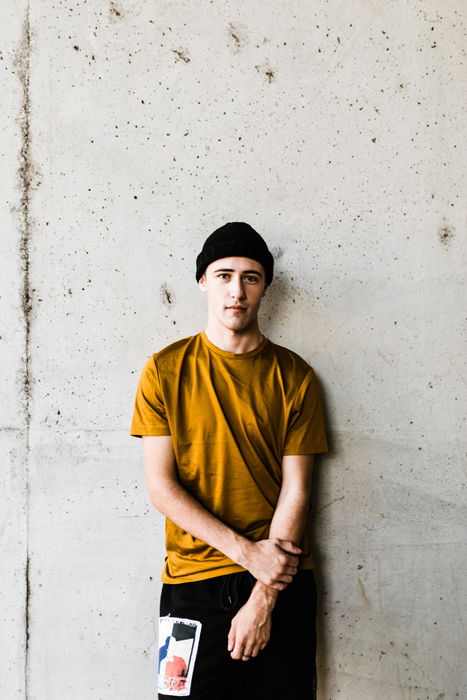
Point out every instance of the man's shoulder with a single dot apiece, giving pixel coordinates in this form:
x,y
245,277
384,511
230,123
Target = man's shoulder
x,y
290,357
175,349
291,364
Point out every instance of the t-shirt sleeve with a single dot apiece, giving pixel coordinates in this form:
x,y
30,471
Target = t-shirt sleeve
x,y
305,429
149,414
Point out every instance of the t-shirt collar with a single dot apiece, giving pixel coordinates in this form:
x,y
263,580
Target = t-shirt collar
x,y
233,355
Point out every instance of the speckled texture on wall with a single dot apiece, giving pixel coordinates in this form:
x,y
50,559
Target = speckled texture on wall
x,y
130,131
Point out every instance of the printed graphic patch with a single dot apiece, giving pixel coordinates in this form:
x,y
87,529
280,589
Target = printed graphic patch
x,y
178,646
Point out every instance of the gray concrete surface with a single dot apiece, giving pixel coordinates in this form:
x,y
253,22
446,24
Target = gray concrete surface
x,y
130,131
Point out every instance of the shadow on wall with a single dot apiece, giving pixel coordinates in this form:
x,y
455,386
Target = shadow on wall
x,y
275,307
322,576
280,300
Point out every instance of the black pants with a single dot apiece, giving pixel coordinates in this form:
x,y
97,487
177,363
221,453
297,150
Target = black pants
x,y
286,668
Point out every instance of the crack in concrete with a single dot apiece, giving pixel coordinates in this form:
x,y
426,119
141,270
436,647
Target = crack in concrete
x,y
25,174
330,504
26,633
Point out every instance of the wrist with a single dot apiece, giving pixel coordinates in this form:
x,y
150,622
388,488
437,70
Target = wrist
x,y
242,551
265,595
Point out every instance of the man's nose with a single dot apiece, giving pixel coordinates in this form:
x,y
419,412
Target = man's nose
x,y
237,288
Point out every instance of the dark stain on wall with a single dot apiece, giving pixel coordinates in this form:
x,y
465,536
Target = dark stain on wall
x,y
234,37
446,234
267,71
277,252
237,37
116,12
181,55
167,295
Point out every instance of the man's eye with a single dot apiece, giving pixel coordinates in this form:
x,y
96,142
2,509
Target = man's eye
x,y
251,278
223,274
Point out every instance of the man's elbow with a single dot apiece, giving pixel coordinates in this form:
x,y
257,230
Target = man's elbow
x,y
161,493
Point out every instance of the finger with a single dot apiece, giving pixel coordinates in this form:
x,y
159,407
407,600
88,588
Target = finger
x,y
231,639
280,578
247,655
261,642
288,546
256,649
237,651
284,559
292,570
288,559
285,576
278,585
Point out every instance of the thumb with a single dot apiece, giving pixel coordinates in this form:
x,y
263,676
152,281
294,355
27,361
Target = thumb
x,y
289,546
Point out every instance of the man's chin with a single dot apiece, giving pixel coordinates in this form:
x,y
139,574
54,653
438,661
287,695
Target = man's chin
x,y
236,324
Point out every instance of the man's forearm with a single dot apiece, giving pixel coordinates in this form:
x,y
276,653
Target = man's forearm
x,y
289,522
272,561
177,504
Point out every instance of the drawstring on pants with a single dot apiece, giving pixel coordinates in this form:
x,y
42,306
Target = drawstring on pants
x,y
230,591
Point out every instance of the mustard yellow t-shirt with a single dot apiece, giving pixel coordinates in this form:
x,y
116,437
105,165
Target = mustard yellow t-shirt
x,y
232,417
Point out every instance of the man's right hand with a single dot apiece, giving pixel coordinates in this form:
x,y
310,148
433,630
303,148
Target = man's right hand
x,y
274,561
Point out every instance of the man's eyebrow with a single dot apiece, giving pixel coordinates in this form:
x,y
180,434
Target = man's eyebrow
x,y
245,272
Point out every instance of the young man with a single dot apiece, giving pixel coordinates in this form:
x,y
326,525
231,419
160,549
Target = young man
x,y
230,422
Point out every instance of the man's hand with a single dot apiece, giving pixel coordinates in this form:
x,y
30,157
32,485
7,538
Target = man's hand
x,y
274,561
250,629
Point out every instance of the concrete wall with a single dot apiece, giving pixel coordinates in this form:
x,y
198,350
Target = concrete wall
x,y
130,131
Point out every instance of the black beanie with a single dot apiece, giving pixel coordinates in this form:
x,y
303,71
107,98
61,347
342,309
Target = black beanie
x,y
235,239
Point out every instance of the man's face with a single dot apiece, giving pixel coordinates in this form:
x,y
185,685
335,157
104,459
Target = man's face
x,y
235,287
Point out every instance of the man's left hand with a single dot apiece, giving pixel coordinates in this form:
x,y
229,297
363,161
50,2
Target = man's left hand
x,y
250,629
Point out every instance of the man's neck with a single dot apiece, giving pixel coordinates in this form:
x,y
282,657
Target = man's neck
x,y
237,342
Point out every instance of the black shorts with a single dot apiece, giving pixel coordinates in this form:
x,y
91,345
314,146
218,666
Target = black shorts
x,y
193,657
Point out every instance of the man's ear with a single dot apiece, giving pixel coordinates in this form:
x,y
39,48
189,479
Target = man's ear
x,y
202,283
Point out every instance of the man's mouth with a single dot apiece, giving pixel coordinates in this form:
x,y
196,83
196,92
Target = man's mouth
x,y
237,308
